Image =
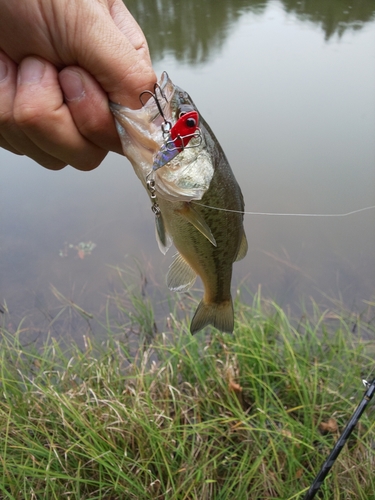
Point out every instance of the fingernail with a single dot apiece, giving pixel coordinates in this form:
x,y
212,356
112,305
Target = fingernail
x,y
72,85
31,71
3,70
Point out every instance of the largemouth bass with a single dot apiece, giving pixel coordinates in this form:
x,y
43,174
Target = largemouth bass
x,y
196,199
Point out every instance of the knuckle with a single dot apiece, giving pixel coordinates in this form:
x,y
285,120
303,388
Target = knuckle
x,y
6,118
27,115
92,126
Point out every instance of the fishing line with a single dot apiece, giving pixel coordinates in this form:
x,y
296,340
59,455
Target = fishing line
x,y
286,214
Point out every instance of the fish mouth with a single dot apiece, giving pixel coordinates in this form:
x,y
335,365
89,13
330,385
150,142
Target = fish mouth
x,y
132,131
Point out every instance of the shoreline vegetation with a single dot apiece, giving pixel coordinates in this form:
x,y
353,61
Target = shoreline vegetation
x,y
251,415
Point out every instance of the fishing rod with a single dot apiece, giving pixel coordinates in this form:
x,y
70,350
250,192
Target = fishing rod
x,y
326,467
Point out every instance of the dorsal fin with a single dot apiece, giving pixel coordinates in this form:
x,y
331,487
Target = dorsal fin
x,y
242,251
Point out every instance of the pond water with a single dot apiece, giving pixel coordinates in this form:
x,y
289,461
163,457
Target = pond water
x,y
288,88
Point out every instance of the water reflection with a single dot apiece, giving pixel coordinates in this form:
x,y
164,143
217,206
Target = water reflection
x,y
334,17
190,31
296,119
194,31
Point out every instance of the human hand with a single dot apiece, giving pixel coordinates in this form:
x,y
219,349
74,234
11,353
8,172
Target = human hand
x,y
61,61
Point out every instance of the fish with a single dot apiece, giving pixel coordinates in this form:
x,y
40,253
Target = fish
x,y
197,202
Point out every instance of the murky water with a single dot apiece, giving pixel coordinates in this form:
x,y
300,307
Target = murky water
x,y
288,88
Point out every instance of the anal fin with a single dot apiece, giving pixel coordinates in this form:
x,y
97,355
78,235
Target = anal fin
x,y
180,277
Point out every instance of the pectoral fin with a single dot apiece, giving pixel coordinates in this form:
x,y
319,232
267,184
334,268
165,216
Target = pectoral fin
x,y
180,277
162,237
198,222
242,251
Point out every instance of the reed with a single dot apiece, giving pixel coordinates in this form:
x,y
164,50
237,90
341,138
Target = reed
x,y
248,416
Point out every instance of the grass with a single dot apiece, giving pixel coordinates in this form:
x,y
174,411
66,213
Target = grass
x,y
245,416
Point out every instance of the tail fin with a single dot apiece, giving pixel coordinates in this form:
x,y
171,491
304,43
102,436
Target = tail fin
x,y
221,316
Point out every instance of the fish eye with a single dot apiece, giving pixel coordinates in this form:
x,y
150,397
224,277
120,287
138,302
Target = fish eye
x,y
190,122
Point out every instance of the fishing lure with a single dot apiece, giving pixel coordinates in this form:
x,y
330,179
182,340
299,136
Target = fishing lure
x,y
178,136
185,128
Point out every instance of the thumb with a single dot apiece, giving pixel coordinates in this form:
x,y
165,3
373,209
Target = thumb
x,y
116,54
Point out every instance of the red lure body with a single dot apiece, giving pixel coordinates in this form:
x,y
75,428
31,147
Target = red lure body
x,y
181,133
185,127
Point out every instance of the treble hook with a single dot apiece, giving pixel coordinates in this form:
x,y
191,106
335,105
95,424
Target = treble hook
x,y
167,125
